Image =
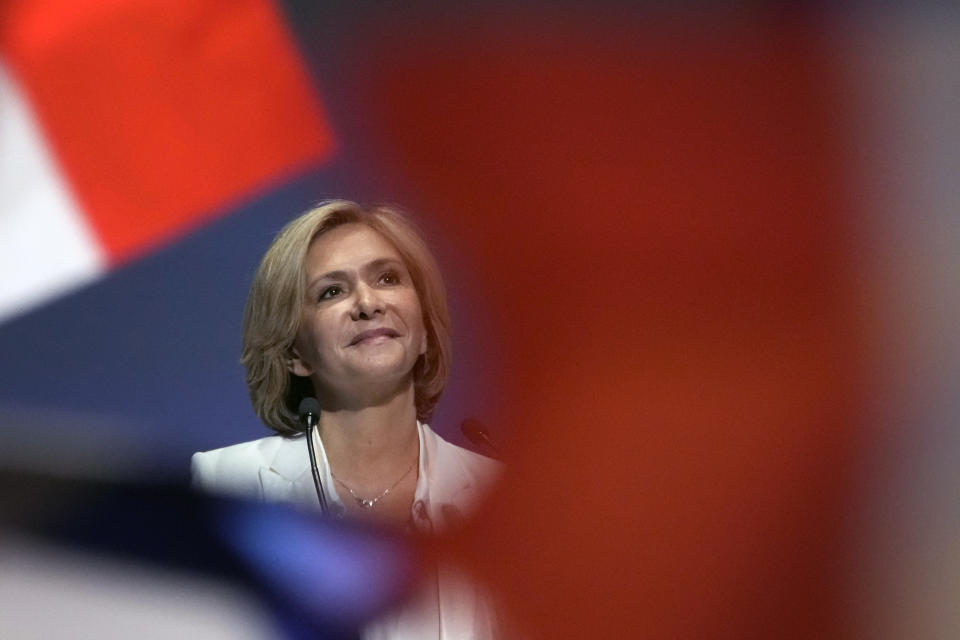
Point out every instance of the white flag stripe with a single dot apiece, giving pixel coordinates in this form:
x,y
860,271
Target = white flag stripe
x,y
46,245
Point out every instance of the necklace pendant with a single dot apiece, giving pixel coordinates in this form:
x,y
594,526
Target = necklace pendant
x,y
370,503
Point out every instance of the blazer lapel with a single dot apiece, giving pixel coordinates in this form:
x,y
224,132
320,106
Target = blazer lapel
x,y
444,483
287,477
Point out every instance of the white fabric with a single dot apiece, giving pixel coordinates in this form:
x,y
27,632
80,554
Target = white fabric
x,y
46,245
451,480
55,591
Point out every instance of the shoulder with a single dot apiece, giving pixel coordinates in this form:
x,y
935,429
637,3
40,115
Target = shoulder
x,y
450,459
235,469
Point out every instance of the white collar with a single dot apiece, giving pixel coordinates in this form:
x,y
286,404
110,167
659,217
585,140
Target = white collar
x,y
287,477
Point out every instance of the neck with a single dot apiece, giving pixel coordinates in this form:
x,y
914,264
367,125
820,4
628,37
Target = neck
x,y
372,439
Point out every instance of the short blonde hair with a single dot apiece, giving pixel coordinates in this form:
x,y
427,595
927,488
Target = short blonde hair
x,y
271,319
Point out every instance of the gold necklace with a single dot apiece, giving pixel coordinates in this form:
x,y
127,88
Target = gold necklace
x,y
368,503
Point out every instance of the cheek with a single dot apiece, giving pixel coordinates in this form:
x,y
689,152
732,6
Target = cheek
x,y
317,335
421,323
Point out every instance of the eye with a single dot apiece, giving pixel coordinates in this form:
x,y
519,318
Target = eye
x,y
331,292
389,278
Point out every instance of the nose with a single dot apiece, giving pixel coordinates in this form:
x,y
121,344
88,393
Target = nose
x,y
367,302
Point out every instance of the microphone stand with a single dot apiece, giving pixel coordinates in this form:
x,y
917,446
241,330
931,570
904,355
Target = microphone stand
x,y
310,418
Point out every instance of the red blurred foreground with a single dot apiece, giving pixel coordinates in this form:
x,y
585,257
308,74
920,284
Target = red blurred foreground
x,y
661,219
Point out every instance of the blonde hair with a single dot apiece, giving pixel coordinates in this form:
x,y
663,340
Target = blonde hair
x,y
271,319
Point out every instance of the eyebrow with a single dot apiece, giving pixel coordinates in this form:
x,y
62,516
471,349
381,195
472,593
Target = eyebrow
x,y
373,265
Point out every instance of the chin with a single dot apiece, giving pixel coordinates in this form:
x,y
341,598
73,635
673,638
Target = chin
x,y
384,376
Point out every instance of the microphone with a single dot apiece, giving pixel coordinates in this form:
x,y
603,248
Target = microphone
x,y
310,415
309,412
478,435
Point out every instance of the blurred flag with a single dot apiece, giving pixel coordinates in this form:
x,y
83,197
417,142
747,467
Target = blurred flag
x,y
124,125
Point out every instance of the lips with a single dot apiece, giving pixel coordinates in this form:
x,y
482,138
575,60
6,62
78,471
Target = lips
x,y
371,334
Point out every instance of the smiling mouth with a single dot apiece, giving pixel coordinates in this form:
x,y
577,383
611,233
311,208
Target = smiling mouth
x,y
372,334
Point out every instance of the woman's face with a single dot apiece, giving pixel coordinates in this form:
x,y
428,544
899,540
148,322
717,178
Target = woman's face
x,y
361,328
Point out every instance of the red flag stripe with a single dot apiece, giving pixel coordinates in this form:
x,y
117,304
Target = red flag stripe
x,y
161,113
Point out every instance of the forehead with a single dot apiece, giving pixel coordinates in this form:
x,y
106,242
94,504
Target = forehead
x,y
350,245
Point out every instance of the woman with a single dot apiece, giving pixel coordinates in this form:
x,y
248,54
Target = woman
x,y
348,306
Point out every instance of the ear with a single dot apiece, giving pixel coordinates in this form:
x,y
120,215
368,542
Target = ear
x,y
297,365
423,344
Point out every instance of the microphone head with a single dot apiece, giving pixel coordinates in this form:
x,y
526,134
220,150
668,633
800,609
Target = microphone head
x,y
309,406
475,432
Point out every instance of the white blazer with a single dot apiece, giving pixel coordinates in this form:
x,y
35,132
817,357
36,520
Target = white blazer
x,y
451,482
